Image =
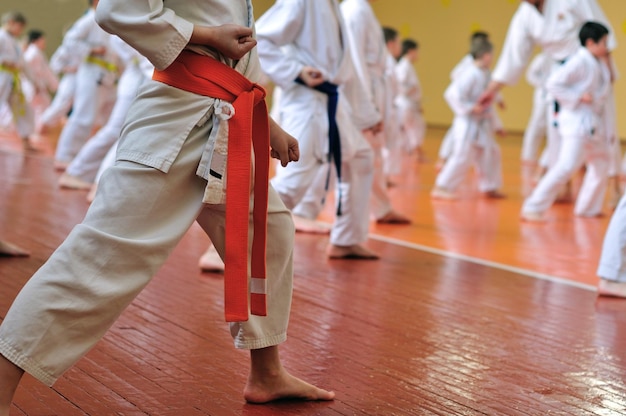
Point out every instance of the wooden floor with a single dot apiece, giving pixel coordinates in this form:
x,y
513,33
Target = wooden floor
x,y
468,312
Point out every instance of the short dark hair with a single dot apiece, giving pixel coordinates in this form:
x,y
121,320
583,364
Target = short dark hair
x,y
408,45
479,34
34,35
16,17
390,34
592,30
480,48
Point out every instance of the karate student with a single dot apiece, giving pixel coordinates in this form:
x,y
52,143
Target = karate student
x,y
553,25
409,100
147,201
536,75
307,56
395,138
447,144
44,82
581,86
472,130
368,51
97,70
81,172
11,68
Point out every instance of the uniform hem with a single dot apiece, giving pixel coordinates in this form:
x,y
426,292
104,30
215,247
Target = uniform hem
x,y
27,364
609,273
261,343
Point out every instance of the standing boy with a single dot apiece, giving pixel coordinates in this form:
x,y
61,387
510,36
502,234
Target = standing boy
x,y
147,201
472,131
581,86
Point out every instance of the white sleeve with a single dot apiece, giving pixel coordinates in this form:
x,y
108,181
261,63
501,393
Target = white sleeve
x,y
148,26
516,52
457,95
535,75
281,67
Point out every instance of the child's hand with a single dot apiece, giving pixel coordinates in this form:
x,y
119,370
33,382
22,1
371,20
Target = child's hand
x,y
233,41
284,147
478,109
312,77
501,132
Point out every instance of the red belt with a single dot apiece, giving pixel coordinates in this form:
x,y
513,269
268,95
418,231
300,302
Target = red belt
x,y
247,129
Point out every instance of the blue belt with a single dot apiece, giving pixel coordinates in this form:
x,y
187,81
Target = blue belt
x,y
334,142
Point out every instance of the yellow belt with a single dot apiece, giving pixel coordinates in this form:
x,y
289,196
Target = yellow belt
x,y
102,63
17,99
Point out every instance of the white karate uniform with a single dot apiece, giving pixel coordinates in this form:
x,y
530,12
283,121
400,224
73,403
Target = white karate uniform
x,y
145,204
581,127
64,63
44,80
395,136
91,76
409,101
447,144
294,34
87,162
556,32
474,142
536,75
10,84
368,50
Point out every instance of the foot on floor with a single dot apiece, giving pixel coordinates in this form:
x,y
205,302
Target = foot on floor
x,y
611,288
354,252
68,181
393,217
11,250
306,225
211,261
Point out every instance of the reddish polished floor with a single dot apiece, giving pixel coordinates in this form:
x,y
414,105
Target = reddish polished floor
x,y
417,332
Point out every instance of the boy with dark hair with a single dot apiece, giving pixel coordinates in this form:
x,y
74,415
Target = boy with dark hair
x,y
581,86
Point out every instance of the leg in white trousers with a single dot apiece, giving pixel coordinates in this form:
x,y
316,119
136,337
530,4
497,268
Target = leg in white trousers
x,y
535,130
380,204
574,152
136,220
612,264
79,125
86,163
62,101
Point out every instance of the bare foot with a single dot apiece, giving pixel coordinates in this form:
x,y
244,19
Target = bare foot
x,y
211,261
306,225
393,217
611,288
354,252
68,181
92,193
283,386
495,194
11,250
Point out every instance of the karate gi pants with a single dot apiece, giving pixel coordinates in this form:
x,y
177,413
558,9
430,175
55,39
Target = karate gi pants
x,y
137,218
302,186
81,121
62,101
487,160
574,152
86,163
23,115
612,265
380,204
536,129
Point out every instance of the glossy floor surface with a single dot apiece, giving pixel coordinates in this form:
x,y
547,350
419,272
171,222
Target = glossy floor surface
x,y
468,312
